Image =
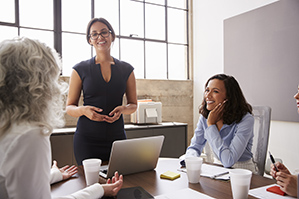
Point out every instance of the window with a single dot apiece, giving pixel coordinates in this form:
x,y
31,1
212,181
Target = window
x,y
17,19
7,11
152,37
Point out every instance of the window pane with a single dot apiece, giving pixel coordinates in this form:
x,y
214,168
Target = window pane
x,y
177,28
177,3
154,22
43,36
8,32
74,50
155,57
7,11
177,63
109,12
75,15
132,51
34,14
161,2
131,21
115,48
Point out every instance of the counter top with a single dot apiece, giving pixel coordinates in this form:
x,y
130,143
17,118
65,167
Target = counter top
x,y
71,130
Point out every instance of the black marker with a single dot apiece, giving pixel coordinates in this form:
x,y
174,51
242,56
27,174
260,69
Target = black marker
x,y
273,161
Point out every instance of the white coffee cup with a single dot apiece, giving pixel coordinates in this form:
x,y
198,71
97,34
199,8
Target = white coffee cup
x,y
193,166
91,170
240,182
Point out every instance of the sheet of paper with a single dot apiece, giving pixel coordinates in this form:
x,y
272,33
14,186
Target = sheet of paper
x,y
212,171
184,193
261,192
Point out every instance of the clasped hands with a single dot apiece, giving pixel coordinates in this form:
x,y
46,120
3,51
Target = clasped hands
x,y
93,113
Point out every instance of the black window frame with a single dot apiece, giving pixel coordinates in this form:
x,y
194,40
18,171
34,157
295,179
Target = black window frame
x,y
57,30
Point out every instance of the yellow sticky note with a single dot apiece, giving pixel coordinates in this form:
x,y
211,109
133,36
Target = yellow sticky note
x,y
170,175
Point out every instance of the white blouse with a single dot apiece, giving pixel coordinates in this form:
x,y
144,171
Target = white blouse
x,y
25,165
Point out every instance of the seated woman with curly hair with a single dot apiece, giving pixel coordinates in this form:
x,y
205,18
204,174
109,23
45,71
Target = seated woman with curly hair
x,y
31,105
226,123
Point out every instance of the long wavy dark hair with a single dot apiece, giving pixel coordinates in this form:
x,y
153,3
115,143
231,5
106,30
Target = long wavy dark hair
x,y
236,106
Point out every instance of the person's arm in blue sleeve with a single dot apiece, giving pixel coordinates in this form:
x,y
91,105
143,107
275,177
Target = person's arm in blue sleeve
x,y
229,155
198,141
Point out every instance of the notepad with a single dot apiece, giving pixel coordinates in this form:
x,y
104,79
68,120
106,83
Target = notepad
x,y
277,190
170,175
212,171
261,192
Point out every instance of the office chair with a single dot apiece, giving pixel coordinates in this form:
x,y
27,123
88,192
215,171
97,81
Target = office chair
x,y
262,117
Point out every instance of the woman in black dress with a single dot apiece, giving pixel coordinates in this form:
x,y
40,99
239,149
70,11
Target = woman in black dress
x,y
104,80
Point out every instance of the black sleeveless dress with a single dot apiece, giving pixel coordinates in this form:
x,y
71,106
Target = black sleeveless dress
x,y
94,139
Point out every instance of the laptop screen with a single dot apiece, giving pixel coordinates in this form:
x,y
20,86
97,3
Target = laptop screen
x,y
133,155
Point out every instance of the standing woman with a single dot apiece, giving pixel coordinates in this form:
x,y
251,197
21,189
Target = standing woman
x,y
104,80
226,123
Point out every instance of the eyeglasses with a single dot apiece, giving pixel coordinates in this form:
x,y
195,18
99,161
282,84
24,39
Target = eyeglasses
x,y
105,34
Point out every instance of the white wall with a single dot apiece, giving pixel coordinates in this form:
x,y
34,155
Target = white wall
x,y
208,16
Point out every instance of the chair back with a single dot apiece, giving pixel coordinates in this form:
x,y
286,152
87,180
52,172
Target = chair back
x,y
262,117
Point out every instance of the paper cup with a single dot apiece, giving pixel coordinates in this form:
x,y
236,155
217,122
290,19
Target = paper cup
x,y
240,182
193,166
91,170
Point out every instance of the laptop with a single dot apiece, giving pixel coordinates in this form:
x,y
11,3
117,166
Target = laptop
x,y
133,156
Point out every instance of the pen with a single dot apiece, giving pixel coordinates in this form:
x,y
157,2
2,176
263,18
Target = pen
x,y
273,161
182,170
220,174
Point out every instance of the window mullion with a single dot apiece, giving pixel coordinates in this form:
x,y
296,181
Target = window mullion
x,y
119,28
188,50
57,26
144,51
92,16
17,13
166,39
